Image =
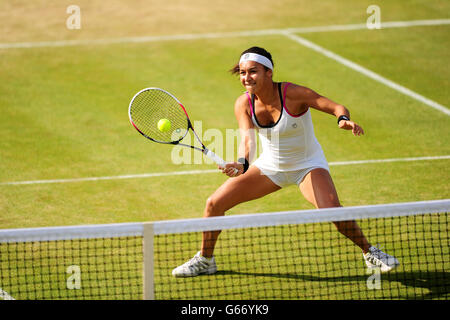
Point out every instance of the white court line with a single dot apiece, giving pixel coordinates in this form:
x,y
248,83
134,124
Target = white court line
x,y
219,35
367,73
129,176
175,173
346,163
5,296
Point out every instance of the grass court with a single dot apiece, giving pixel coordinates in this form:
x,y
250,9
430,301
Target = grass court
x,y
64,108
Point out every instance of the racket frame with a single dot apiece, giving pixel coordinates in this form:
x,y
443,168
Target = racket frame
x,y
203,149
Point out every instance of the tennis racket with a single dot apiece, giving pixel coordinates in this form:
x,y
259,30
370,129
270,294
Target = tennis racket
x,y
149,106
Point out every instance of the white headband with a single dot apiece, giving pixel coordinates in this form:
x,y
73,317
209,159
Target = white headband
x,y
257,58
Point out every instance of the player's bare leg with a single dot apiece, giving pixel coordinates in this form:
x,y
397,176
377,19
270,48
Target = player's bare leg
x,y
252,185
318,188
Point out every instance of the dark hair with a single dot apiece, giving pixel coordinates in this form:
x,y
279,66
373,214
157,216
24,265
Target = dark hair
x,y
257,50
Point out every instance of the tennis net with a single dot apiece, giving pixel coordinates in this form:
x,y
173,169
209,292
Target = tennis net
x,y
282,255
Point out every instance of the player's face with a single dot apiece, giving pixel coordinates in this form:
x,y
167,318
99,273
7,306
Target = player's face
x,y
253,75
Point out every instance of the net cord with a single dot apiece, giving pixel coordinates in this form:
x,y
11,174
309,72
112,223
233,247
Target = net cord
x,y
225,222
302,217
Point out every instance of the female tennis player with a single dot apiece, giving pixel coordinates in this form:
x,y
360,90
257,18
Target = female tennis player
x,y
291,154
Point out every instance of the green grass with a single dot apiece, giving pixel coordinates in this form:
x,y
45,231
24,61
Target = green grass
x,y
74,124
64,115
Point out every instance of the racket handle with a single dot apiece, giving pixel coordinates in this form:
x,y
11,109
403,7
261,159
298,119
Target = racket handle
x,y
215,157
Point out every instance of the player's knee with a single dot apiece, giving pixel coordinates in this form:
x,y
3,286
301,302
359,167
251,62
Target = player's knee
x,y
333,200
212,207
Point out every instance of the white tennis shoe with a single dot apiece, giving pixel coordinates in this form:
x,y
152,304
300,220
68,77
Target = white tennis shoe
x,y
376,258
196,266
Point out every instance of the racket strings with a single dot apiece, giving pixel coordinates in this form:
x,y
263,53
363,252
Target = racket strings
x,y
150,106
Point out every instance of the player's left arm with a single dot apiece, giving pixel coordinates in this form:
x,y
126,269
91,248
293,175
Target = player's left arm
x,y
312,99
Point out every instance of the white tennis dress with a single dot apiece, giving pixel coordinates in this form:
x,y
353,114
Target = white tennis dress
x,y
289,147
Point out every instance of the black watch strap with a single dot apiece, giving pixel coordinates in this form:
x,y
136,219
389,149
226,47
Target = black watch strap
x,y
245,163
343,117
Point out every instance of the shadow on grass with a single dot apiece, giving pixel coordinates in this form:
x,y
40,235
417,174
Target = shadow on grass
x,y
437,283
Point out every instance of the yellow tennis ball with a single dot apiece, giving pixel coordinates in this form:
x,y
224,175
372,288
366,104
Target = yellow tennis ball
x,y
164,125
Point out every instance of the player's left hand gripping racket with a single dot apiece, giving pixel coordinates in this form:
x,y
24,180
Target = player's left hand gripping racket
x,y
150,105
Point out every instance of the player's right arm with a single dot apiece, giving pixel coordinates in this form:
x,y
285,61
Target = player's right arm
x,y
246,128
247,146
